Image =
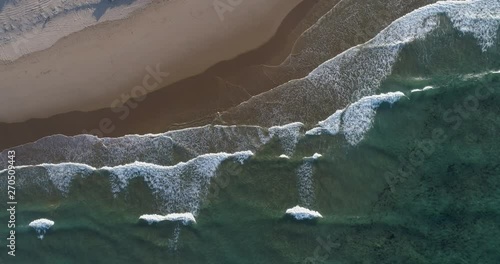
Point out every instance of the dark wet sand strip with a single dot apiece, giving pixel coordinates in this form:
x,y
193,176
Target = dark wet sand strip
x,y
184,103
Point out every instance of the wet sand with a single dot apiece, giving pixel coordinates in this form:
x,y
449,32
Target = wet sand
x,y
167,40
196,100
187,102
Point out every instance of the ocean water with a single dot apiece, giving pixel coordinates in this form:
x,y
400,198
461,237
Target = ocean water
x,y
409,170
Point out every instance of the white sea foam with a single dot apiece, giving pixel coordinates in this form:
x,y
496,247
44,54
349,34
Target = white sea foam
x,y
288,135
301,213
161,149
181,187
358,117
315,156
283,156
41,226
355,120
97,152
149,148
62,175
152,218
201,140
481,18
185,218
175,239
331,125
183,184
426,88
359,71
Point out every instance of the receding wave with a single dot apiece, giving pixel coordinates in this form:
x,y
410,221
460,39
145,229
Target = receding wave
x,y
162,149
359,71
301,213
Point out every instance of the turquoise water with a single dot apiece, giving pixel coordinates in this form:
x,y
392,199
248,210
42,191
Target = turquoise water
x,y
422,186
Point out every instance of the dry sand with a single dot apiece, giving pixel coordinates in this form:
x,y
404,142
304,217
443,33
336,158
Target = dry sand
x,y
27,26
102,64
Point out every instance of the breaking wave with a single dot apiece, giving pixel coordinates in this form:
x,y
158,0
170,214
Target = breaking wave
x,y
301,213
359,71
179,187
184,218
162,149
41,226
356,119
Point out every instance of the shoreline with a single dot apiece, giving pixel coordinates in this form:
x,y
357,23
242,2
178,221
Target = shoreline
x,y
197,93
64,72
195,101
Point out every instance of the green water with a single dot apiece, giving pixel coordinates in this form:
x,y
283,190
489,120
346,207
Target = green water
x,y
445,211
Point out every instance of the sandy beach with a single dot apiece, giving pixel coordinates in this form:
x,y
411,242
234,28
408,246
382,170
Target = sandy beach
x,y
195,100
103,65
